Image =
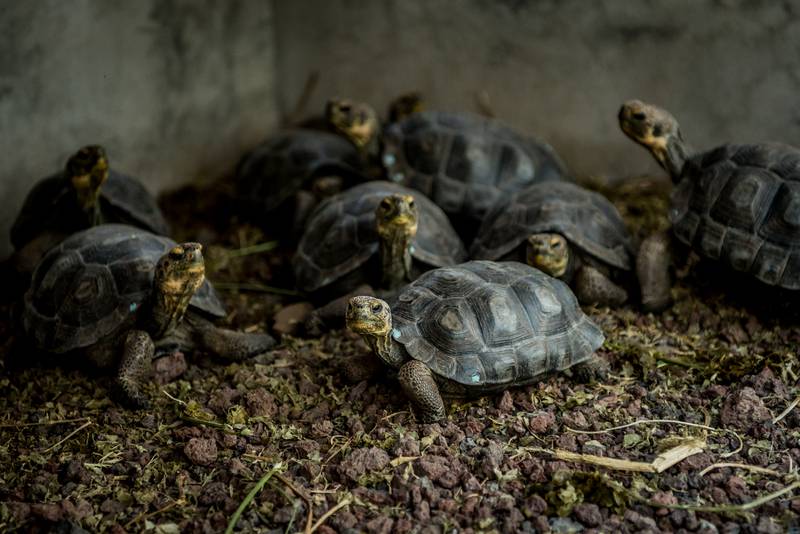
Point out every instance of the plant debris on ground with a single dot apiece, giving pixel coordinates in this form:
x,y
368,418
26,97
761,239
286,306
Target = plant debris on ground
x,y
695,429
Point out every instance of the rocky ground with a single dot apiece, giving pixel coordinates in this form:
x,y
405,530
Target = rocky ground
x,y
283,444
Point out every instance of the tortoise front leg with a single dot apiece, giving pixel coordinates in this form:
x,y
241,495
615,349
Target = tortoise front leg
x,y
137,356
417,381
593,287
229,344
652,268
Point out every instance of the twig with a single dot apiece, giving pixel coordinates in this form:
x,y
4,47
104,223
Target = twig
x,y
51,447
254,286
669,421
725,508
786,412
250,496
145,515
45,423
302,101
302,495
753,468
326,515
252,249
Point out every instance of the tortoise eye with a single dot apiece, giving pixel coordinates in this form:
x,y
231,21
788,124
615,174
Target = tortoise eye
x,y
386,204
376,308
639,116
411,203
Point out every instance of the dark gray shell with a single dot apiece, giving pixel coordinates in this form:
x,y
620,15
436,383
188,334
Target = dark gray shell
x,y
586,219
93,283
341,236
281,165
51,206
740,204
484,324
465,162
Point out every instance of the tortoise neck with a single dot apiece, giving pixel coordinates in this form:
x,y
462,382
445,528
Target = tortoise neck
x,y
674,156
389,350
167,311
395,251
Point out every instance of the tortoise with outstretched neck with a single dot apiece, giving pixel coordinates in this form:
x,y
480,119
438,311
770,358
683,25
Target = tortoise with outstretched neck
x,y
378,234
476,328
122,296
569,232
737,204
85,194
462,161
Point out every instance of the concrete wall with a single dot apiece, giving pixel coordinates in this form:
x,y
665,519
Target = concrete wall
x,y
175,89
728,69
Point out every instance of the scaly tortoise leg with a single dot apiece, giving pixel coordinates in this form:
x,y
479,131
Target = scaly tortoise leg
x,y
593,287
230,344
417,381
137,355
652,268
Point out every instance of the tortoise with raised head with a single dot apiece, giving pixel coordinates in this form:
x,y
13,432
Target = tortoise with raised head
x,y
85,194
566,231
736,204
463,162
122,296
379,234
476,328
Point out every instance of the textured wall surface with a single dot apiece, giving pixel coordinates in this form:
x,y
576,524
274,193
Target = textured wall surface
x,y
175,89
728,69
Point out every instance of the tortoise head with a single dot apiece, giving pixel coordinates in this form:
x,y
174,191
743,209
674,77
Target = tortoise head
x,y
87,171
178,274
549,253
397,215
405,105
369,316
355,120
650,126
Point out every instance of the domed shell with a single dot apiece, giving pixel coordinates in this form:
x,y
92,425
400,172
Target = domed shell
x,y
51,205
485,324
740,204
588,220
465,162
281,165
94,283
341,235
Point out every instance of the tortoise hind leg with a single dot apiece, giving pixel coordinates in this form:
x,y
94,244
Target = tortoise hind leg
x,y
652,268
137,355
593,287
417,381
592,370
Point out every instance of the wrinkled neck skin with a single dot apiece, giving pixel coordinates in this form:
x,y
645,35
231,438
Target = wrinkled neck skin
x,y
395,252
167,311
673,155
391,352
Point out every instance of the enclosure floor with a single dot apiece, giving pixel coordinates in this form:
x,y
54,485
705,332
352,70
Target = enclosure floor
x,y
334,456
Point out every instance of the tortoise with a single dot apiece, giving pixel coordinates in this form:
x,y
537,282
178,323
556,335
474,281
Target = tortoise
x,y
736,204
462,161
476,328
122,296
566,231
86,193
377,233
297,165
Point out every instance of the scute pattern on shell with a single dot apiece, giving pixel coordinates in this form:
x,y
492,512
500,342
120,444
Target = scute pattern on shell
x,y
94,282
282,164
484,324
587,219
465,162
51,205
740,204
341,236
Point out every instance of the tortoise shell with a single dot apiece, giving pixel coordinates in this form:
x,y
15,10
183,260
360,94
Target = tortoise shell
x,y
465,162
280,166
740,204
485,324
94,283
341,235
51,205
588,220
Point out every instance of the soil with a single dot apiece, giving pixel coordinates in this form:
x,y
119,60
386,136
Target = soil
x,y
328,455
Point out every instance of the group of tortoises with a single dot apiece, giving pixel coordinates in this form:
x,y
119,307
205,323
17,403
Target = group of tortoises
x,y
387,217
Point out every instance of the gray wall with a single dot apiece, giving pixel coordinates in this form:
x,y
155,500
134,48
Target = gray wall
x,y
728,69
175,89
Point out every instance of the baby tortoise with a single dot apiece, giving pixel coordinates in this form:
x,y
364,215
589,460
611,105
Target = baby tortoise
x,y
566,231
738,204
463,162
122,296
85,194
476,328
379,234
